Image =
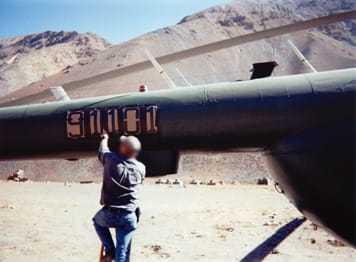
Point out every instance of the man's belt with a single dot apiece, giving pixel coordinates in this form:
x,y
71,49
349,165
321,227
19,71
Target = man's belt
x,y
114,209
117,209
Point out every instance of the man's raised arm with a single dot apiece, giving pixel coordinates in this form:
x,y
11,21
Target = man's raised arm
x,y
104,147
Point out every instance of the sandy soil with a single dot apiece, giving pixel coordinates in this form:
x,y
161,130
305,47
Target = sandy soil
x,y
52,222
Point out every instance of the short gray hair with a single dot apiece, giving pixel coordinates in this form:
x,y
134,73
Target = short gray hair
x,y
132,142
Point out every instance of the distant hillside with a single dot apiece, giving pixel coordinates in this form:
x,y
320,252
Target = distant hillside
x,y
329,47
30,58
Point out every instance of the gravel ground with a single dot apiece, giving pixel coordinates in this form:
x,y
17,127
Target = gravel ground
x,y
52,222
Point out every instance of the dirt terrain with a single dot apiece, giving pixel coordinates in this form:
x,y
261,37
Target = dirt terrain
x,y
327,48
52,222
78,56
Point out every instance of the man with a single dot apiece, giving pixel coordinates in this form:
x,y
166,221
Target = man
x,y
123,175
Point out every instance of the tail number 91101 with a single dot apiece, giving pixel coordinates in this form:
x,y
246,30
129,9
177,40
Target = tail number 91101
x,y
133,120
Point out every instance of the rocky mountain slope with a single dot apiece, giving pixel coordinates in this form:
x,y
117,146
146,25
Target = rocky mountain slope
x,y
30,58
329,47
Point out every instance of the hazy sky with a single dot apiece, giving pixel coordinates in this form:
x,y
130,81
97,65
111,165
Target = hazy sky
x,y
116,20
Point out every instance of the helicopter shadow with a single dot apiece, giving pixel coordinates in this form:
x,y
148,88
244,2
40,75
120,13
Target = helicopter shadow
x,y
267,246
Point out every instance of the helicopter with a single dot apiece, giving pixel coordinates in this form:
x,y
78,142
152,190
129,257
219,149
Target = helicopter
x,y
304,123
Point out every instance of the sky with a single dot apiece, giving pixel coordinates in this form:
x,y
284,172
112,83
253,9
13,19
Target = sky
x,y
115,20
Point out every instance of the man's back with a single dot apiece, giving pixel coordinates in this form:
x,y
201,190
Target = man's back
x,y
123,175
121,180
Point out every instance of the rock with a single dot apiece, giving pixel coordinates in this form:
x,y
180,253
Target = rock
x,y
159,181
20,173
335,243
262,181
275,252
18,176
195,182
211,183
86,182
8,206
315,226
156,248
168,182
83,62
178,182
67,69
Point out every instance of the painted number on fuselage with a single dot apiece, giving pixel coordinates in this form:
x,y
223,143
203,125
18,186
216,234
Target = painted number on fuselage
x,y
132,121
125,120
95,122
75,124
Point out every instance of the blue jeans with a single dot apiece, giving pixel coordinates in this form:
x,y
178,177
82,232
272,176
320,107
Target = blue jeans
x,y
124,222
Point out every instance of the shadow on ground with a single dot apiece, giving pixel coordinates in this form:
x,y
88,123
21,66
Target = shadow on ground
x,y
265,248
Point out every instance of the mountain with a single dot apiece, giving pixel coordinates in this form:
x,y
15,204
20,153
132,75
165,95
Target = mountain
x,y
30,58
328,47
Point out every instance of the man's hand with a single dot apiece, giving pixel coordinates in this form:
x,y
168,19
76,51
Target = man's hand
x,y
104,146
104,135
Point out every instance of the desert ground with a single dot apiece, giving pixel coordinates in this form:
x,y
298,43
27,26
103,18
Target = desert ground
x,y
52,222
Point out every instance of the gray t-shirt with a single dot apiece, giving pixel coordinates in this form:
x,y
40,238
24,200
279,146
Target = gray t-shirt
x,y
121,180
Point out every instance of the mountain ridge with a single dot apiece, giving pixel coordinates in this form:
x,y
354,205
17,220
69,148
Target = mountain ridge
x,y
30,58
328,47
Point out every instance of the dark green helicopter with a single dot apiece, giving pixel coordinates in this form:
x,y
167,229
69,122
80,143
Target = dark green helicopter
x,y
305,123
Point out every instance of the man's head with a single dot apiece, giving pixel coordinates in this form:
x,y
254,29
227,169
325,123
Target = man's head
x,y
129,146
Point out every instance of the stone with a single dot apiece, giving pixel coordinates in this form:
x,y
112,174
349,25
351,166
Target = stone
x,y
211,183
262,181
